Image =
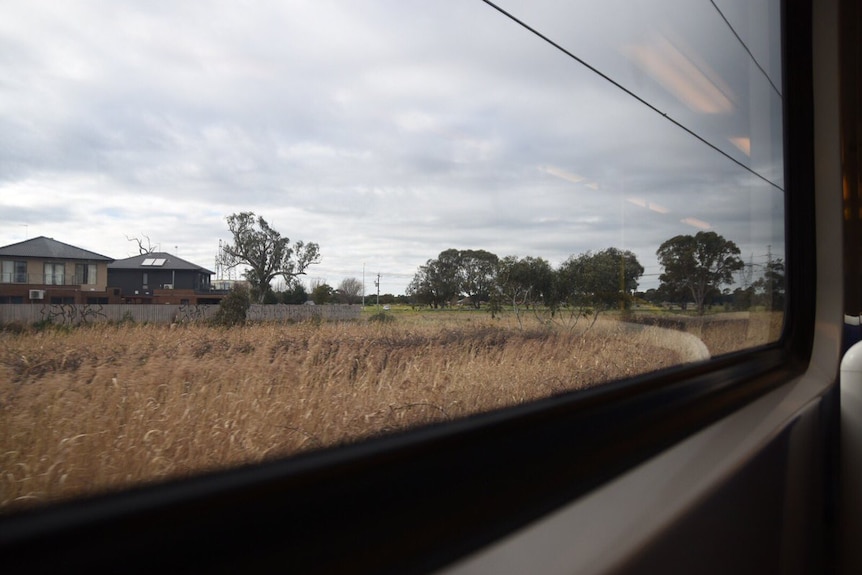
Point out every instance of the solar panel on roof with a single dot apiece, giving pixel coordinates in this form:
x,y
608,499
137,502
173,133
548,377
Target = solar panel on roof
x,y
148,262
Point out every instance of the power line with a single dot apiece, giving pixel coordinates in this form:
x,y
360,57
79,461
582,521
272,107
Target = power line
x,y
745,46
632,94
323,271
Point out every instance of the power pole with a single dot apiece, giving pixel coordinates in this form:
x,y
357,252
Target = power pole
x,y
377,285
623,291
770,287
363,286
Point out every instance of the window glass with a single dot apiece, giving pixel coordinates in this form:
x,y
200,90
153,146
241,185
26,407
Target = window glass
x,y
479,214
85,273
13,272
20,272
55,274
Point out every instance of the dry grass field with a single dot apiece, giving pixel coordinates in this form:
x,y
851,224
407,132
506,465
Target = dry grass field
x,y
104,407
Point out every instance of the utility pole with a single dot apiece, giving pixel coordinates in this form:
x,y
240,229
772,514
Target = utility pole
x,y
377,284
218,261
768,275
623,291
363,285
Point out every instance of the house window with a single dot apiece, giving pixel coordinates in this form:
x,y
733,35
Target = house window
x,y
144,285
85,274
55,274
13,272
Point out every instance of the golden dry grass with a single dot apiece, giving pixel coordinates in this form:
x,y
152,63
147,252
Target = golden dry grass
x,y
105,407
725,332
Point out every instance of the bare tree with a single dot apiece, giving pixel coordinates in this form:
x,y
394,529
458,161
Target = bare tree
x,y
143,249
350,290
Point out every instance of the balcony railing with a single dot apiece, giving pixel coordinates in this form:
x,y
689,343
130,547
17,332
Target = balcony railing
x,y
9,278
43,279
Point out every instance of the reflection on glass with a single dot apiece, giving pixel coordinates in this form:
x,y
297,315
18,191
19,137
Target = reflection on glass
x,y
483,219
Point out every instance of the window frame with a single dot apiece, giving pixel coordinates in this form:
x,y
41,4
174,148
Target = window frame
x,y
16,276
52,277
86,275
417,500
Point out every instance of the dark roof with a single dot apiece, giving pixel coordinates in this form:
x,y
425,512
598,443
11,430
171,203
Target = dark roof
x,y
50,248
156,261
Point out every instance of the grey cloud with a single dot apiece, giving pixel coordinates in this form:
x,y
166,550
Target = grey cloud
x,y
384,131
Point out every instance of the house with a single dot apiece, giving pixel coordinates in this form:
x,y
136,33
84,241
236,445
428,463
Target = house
x,y
162,278
43,270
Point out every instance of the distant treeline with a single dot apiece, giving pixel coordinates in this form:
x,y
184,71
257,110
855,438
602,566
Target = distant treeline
x,y
695,270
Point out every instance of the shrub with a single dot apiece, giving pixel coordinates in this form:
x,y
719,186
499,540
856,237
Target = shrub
x,y
381,317
48,324
43,324
233,308
14,327
315,319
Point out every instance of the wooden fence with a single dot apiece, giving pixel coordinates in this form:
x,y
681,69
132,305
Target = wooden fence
x,y
73,314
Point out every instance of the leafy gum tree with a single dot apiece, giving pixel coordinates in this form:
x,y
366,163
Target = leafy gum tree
x,y
437,282
523,282
478,271
698,265
599,281
265,252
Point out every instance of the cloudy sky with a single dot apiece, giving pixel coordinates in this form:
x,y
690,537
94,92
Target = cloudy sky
x,y
390,130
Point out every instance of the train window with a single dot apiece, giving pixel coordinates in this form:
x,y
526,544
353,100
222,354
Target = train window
x,y
497,204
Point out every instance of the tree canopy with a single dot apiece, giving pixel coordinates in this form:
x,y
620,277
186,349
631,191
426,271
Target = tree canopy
x,y
265,252
349,290
697,265
295,294
437,282
770,288
695,268
477,270
526,281
599,280
322,293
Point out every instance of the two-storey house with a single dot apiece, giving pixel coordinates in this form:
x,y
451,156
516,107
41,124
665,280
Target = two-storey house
x,y
162,278
43,270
